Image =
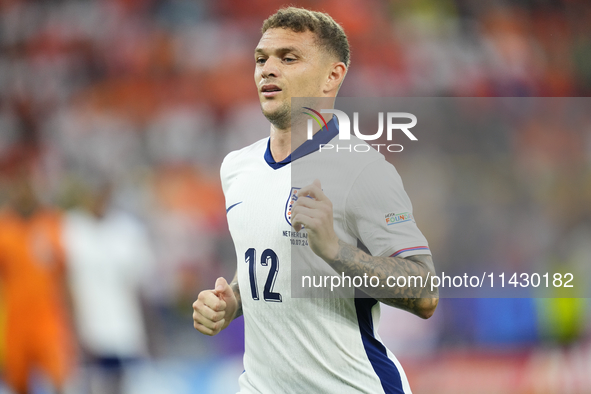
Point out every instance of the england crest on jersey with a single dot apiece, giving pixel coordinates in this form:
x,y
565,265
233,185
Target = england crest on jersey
x,y
293,197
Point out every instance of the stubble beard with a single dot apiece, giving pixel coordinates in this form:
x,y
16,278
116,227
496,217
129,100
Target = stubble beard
x,y
280,118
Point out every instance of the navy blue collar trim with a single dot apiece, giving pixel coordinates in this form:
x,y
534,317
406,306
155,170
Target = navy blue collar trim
x,y
322,137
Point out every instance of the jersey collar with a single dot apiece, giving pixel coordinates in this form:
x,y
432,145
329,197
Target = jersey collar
x,y
322,137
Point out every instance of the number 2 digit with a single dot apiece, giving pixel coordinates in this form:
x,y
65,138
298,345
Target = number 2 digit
x,y
268,294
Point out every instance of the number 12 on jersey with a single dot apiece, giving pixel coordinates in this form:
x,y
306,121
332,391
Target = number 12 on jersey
x,y
269,257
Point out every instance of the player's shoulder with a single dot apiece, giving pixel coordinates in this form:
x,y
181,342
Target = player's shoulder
x,y
373,153
127,223
239,160
249,152
50,216
354,154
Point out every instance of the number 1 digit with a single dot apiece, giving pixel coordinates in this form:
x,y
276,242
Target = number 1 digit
x,y
250,258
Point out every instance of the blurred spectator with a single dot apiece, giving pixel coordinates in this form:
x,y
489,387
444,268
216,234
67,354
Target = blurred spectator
x,y
37,334
110,258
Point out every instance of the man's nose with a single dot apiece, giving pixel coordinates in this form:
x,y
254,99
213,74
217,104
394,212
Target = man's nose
x,y
270,68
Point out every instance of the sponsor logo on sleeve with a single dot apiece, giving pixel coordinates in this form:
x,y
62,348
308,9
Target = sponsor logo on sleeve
x,y
395,218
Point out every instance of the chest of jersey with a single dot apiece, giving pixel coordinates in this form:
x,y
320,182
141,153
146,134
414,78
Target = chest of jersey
x,y
271,255
256,199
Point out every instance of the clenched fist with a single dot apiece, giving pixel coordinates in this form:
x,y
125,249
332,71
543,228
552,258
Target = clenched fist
x,y
214,309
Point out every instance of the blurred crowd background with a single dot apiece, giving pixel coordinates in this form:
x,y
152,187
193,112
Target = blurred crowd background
x,y
115,116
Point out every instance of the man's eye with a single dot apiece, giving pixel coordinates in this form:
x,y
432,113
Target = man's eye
x,y
261,60
288,59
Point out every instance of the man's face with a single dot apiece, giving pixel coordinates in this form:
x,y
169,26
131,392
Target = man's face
x,y
288,64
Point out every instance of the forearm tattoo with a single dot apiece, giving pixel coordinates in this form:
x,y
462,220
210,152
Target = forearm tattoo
x,y
413,297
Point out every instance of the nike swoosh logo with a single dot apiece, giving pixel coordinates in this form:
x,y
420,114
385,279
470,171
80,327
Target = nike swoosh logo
x,y
232,206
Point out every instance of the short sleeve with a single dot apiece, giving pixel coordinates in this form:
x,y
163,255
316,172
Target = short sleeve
x,y
380,214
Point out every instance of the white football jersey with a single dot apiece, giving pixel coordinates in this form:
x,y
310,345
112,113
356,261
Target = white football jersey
x,y
299,344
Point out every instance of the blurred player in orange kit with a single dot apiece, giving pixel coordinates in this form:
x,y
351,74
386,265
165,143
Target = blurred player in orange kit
x,y
37,335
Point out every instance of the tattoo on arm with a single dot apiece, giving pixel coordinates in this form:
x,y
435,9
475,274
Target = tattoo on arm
x,y
412,297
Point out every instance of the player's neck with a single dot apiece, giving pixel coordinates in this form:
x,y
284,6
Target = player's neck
x,y
287,140
281,143
284,141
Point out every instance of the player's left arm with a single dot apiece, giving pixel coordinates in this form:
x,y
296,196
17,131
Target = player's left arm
x,y
416,299
316,214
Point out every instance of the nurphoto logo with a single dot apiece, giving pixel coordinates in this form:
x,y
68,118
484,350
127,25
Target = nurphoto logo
x,y
345,129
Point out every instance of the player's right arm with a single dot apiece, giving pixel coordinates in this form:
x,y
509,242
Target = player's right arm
x,y
215,309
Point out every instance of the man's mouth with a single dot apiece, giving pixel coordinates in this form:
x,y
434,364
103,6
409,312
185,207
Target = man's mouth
x,y
270,90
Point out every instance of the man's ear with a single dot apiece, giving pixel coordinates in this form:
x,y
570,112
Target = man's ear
x,y
336,76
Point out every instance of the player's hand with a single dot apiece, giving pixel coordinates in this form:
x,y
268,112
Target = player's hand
x,y
214,309
315,214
